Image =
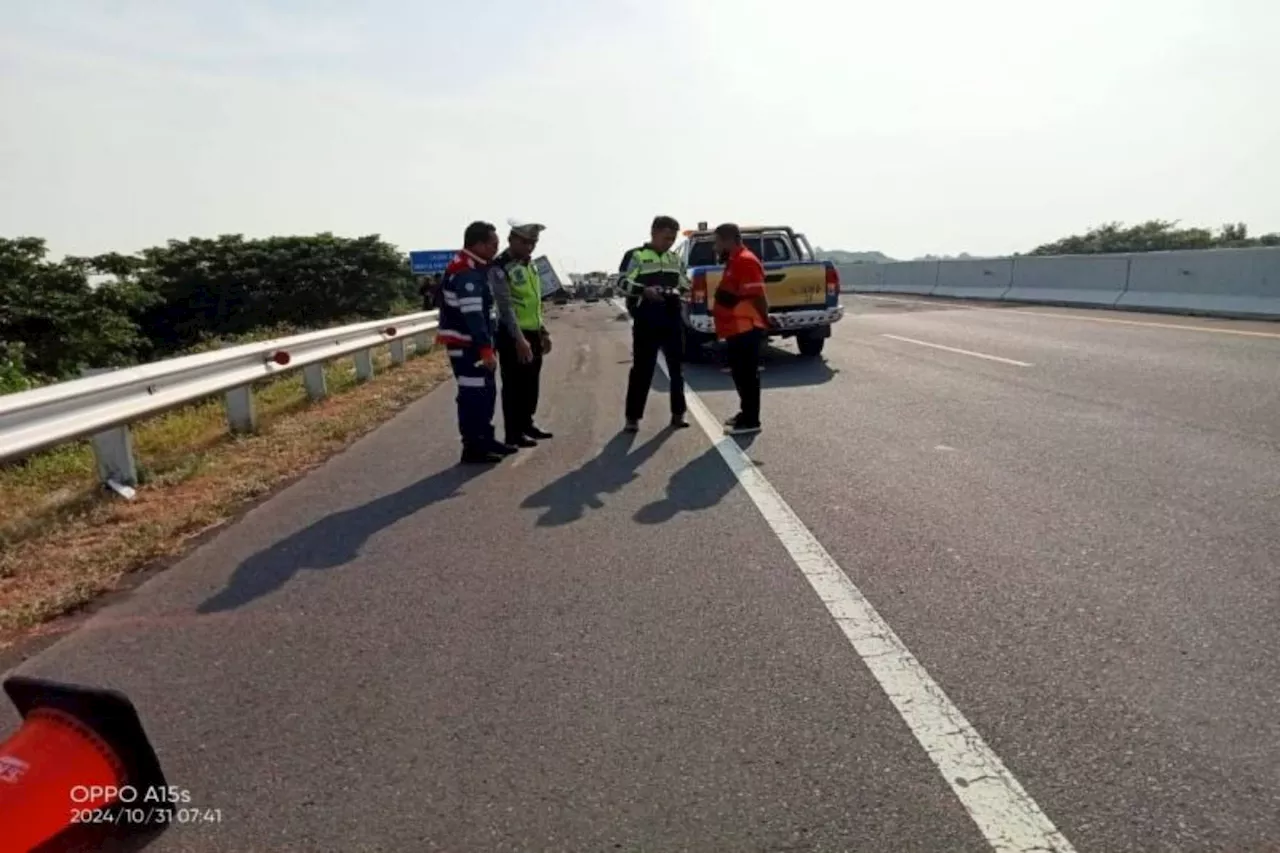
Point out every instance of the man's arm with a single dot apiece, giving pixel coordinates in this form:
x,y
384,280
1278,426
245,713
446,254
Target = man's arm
x,y
753,290
682,284
501,288
471,305
628,268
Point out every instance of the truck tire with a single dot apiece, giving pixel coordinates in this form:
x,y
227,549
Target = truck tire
x,y
810,345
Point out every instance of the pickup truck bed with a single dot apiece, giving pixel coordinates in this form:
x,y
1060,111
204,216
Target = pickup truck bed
x,y
804,294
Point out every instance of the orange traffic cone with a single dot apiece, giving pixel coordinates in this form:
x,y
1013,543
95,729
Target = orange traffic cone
x,y
80,754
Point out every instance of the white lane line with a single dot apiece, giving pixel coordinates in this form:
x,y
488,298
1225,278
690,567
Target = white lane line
x,y
960,351
1248,333
1003,811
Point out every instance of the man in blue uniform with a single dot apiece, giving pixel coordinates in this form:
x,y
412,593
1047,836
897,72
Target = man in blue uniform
x,y
466,331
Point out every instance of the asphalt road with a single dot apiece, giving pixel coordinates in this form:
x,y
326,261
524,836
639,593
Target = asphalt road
x,y
1070,518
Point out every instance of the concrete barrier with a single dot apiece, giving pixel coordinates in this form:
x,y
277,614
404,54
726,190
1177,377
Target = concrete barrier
x,y
855,278
918,277
1225,282
1093,280
1215,282
974,279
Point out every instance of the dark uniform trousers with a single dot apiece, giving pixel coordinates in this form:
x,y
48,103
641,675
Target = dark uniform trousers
x,y
477,397
655,328
520,382
743,351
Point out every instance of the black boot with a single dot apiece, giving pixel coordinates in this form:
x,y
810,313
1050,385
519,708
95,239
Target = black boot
x,y
480,456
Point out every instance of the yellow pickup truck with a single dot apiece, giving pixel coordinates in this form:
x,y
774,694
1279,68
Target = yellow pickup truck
x,y
804,293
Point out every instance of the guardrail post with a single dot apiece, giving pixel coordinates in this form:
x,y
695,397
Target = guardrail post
x,y
313,379
113,451
421,343
397,351
242,414
113,448
364,365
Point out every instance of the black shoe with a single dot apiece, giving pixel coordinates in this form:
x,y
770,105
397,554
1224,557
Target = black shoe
x,y
678,422
632,425
480,456
539,434
501,448
741,427
521,441
733,420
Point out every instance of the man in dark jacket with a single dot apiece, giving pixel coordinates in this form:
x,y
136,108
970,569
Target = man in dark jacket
x,y
466,331
655,281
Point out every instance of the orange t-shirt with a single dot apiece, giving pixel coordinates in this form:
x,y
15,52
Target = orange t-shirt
x,y
744,278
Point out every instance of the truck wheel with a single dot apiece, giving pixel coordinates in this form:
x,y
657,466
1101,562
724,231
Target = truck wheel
x,y
810,345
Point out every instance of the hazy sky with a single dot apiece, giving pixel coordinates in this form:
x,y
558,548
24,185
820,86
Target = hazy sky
x,y
985,126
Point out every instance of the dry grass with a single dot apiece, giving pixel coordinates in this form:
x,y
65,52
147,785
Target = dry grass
x,y
63,541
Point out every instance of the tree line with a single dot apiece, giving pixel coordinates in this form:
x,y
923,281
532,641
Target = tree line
x,y
1156,235
113,310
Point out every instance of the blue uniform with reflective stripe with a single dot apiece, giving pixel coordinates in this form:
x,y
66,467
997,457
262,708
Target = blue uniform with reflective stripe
x,y
466,331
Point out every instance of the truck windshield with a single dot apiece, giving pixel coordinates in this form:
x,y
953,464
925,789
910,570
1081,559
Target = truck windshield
x,y
769,248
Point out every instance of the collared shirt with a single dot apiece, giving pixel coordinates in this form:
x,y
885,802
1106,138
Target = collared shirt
x,y
501,289
743,281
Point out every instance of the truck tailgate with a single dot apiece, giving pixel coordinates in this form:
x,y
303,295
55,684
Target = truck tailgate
x,y
794,285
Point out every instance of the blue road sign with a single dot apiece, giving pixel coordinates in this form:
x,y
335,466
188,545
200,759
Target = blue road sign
x,y
430,262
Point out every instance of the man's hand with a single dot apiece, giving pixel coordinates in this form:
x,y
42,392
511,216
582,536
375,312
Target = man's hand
x,y
546,341
652,294
524,352
489,360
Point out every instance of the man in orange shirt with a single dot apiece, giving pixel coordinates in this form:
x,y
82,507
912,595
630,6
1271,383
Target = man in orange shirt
x,y
741,314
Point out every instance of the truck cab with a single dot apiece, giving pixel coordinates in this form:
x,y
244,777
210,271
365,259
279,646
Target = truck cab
x,y
803,292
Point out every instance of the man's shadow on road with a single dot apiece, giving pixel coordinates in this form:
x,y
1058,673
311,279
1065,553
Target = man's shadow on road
x,y
699,485
778,369
334,540
567,499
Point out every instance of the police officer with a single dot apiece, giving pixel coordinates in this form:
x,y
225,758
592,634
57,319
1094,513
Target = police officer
x,y
522,338
466,331
655,279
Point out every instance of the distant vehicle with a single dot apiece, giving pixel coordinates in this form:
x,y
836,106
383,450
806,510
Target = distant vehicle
x,y
804,293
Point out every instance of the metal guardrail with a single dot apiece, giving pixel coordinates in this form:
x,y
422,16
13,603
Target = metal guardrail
x,y
102,406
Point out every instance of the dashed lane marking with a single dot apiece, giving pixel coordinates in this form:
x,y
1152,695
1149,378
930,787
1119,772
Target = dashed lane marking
x,y
998,358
